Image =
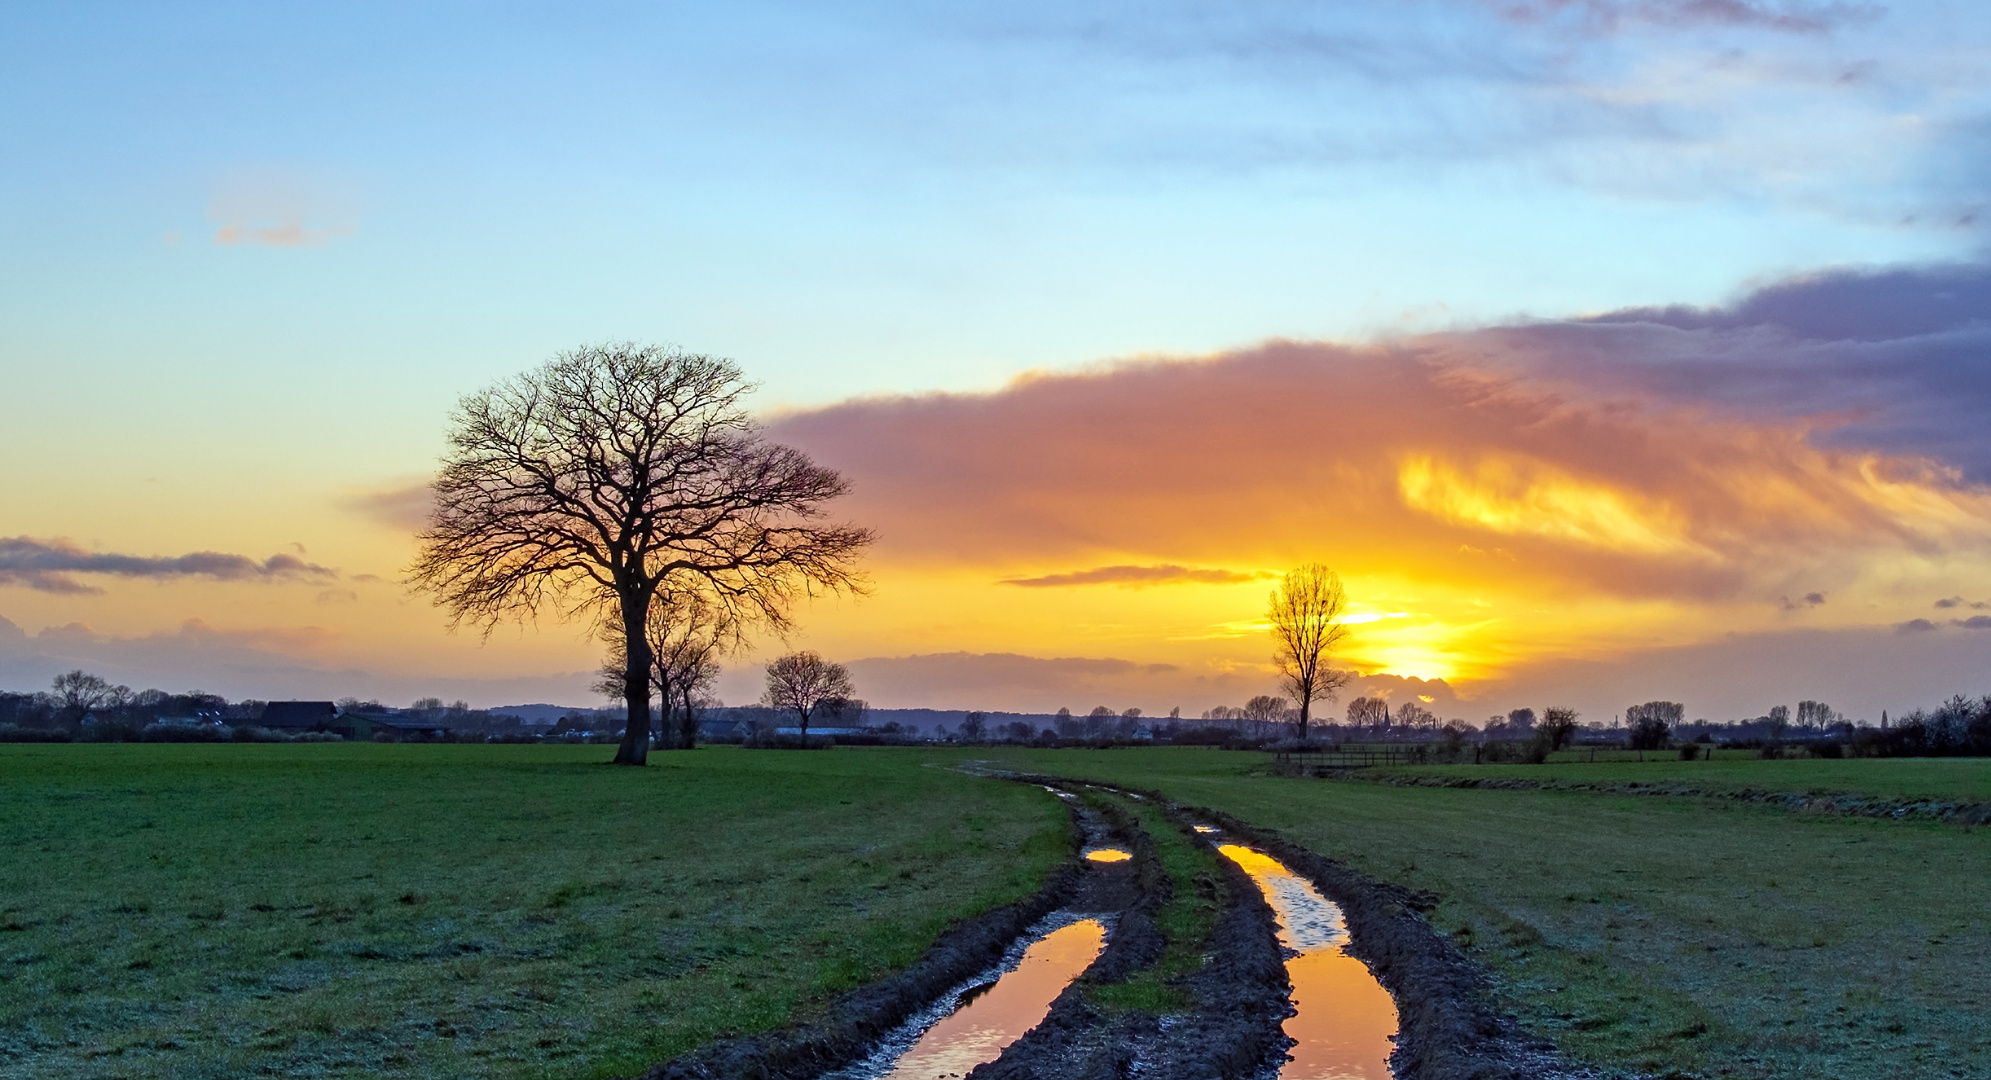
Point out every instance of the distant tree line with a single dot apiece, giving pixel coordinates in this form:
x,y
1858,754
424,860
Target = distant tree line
x,y
83,707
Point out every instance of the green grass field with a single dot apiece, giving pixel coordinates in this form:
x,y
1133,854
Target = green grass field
x,y
506,911
1957,779
348,910
1672,936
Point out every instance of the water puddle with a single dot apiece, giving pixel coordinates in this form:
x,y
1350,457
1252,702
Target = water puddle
x,y
1343,1019
1109,854
977,1021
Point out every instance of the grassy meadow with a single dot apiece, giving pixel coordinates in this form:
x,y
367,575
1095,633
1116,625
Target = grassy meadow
x,y
1666,935
506,911
1944,779
512,911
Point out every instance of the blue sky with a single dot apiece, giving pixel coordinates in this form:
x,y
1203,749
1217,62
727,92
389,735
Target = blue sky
x,y
856,198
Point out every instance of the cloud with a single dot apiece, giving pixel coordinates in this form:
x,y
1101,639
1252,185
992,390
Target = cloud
x,y
47,566
1887,360
1016,681
279,208
1600,16
1138,576
1808,600
1975,622
288,234
1958,601
1399,458
1914,626
405,506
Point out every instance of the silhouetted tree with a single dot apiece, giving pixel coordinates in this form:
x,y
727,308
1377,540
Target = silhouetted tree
x,y
1558,726
1412,715
802,681
1065,725
1368,712
587,484
1521,721
974,725
1097,720
1306,612
1651,723
77,692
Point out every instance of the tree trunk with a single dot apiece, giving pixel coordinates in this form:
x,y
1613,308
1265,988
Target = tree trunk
x,y
635,748
1303,720
665,739
687,738
804,714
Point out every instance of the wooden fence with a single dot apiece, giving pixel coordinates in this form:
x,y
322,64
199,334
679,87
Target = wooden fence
x,y
1304,762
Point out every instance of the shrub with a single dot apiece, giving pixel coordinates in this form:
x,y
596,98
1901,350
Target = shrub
x,y
1830,750
182,733
773,741
13,733
1689,752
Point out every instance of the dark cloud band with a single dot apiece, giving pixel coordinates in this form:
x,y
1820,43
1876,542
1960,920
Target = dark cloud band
x,y
48,566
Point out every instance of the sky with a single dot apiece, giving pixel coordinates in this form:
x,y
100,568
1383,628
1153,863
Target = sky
x,y
1610,349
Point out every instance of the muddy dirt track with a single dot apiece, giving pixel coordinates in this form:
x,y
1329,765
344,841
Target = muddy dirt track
x,y
1449,1028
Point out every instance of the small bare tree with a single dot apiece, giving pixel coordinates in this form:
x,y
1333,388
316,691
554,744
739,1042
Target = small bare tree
x,y
1558,725
1368,712
589,483
77,692
1306,613
803,681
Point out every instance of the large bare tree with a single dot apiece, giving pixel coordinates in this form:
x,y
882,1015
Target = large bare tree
x,y
802,681
1306,613
589,483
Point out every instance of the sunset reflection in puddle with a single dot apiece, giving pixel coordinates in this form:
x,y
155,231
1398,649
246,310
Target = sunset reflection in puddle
x,y
1343,1019
1108,854
978,1031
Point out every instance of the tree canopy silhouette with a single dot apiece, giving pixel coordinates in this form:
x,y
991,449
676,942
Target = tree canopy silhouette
x,y
1306,612
592,482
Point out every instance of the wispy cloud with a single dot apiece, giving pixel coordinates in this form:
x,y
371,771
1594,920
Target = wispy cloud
x,y
404,506
279,208
51,565
1603,16
1138,576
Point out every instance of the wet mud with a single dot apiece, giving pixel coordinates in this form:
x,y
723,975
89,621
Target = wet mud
x,y
1449,1027
859,1020
1344,1023
1239,998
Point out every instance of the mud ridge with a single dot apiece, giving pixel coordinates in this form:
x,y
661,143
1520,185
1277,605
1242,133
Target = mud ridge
x,y
858,1019
1240,996
1848,804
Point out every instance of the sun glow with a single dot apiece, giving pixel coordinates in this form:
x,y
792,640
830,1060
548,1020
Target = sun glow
x,y
1516,496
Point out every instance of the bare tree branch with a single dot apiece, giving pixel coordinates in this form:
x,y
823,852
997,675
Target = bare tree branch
x,y
1306,612
588,484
